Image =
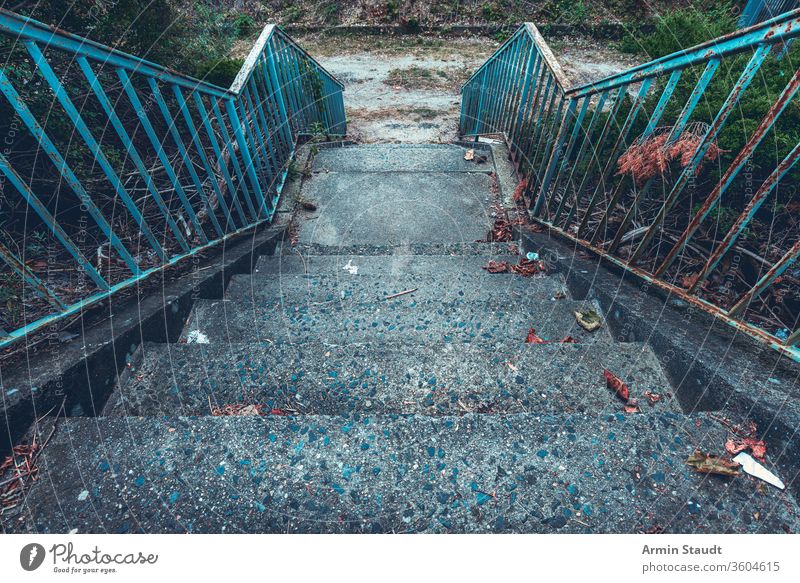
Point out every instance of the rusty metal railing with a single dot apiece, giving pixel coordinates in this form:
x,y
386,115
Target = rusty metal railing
x,y
114,168
636,167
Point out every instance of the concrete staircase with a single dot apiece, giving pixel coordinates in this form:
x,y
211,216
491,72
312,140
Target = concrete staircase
x,y
425,412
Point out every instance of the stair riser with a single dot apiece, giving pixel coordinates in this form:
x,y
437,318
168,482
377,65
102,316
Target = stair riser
x,y
298,290
456,321
353,380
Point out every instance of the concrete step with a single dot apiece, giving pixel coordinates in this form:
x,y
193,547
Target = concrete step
x,y
444,267
381,158
454,249
477,473
386,377
489,323
344,289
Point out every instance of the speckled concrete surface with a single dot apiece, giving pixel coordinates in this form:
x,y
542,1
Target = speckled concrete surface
x,y
400,158
424,207
381,377
478,473
425,413
347,289
415,322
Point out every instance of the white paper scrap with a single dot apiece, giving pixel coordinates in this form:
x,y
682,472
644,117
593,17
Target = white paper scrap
x,y
755,469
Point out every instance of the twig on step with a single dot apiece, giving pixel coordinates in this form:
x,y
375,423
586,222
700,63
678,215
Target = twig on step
x,y
402,293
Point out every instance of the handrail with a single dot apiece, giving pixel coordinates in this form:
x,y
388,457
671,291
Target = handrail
x,y
177,165
580,153
251,62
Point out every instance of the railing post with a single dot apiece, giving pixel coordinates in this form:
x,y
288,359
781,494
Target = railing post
x,y
480,105
555,156
278,91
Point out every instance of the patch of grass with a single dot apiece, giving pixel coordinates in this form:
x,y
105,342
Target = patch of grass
x,y
243,25
292,14
392,9
415,77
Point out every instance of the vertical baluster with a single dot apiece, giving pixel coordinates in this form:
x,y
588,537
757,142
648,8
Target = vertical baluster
x,y
528,82
655,117
212,138
616,151
237,167
479,112
733,98
555,156
573,140
747,215
674,135
149,130
176,137
277,93
247,156
198,144
127,142
69,176
51,223
787,95
260,126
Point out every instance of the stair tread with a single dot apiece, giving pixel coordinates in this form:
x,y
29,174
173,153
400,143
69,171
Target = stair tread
x,y
455,320
442,266
387,377
379,158
299,288
476,473
456,250
422,207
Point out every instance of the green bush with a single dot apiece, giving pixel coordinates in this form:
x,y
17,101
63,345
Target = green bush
x,y
220,72
244,25
679,29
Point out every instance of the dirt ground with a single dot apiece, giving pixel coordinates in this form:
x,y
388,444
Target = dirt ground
x,y
407,89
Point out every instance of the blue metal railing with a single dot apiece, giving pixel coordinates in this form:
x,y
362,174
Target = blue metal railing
x,y
606,164
182,164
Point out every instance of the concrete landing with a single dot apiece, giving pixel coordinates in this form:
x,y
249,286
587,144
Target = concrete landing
x,y
397,208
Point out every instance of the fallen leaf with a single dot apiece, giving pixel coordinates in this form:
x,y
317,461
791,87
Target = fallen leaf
x,y
570,340
469,155
632,406
614,383
712,464
758,448
496,267
533,338
527,268
249,411
653,397
588,319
